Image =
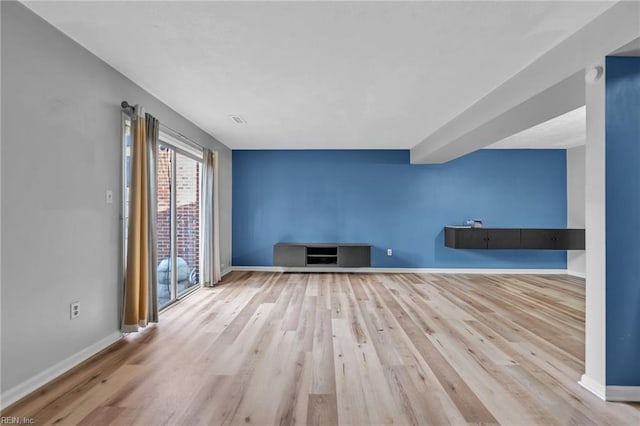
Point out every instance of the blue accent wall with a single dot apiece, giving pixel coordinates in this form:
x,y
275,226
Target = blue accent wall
x,y
622,119
377,197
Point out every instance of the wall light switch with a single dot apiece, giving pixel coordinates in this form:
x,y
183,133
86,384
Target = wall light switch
x,y
109,196
389,252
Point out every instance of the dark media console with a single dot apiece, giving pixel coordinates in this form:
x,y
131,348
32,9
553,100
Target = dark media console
x,y
459,237
350,255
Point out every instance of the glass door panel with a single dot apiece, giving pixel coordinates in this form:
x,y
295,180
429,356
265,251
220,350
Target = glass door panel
x,y
164,234
126,178
187,193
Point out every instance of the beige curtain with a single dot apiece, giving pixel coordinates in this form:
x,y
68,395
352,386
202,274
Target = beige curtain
x,y
210,242
140,293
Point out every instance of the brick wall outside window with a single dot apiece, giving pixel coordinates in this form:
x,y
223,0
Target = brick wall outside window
x,y
187,210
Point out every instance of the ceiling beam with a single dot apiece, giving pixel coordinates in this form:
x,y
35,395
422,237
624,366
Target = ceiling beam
x,y
556,100
535,94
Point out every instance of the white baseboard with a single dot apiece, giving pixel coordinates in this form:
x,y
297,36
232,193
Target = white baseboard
x,y
611,393
576,274
21,390
225,271
593,386
401,270
623,393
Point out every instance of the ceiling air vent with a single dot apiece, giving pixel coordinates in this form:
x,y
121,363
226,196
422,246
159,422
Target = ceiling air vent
x,y
237,119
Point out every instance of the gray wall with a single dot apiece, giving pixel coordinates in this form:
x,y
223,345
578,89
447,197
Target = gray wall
x,y
576,204
61,150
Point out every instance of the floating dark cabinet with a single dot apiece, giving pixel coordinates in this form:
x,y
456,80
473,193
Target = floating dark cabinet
x,y
322,254
514,238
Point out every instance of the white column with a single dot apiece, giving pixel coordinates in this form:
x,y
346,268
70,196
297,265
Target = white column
x,y
594,378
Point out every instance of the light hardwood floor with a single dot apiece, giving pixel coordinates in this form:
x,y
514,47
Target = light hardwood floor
x,y
357,349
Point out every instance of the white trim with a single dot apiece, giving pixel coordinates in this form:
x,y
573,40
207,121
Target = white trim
x,y
402,270
623,393
611,393
180,143
577,274
225,271
21,390
593,386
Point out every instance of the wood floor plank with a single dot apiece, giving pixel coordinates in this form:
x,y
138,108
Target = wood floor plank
x,y
350,392
323,367
345,349
323,410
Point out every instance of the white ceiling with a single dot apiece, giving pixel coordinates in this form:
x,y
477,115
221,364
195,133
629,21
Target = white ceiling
x,y
565,131
319,74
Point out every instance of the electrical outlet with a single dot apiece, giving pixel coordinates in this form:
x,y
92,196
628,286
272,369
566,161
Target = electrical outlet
x,y
389,252
75,310
109,196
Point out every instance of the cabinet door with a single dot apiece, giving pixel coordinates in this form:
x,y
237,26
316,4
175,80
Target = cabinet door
x,y
284,255
503,238
471,238
540,239
354,256
570,239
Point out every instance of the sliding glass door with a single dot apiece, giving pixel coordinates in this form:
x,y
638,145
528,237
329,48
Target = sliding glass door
x,y
178,175
178,233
